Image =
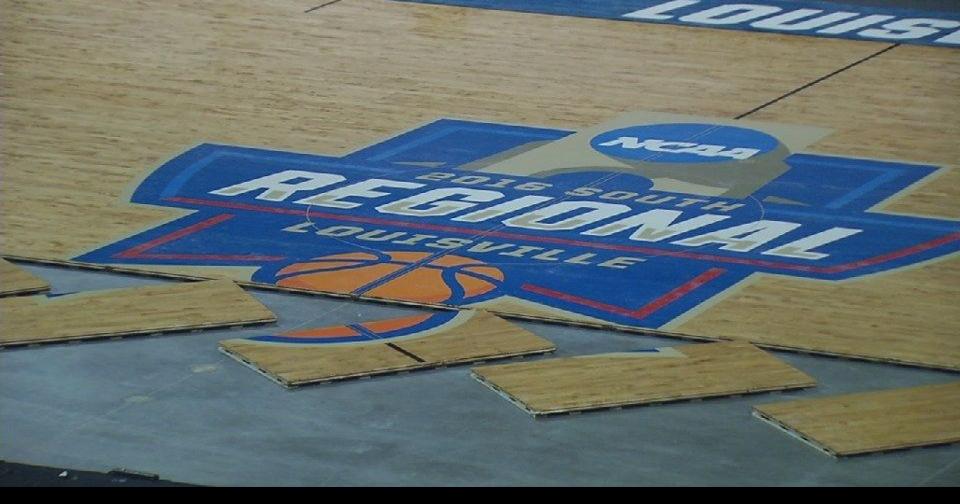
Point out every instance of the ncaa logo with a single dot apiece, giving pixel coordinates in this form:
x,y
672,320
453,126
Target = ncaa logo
x,y
465,213
686,143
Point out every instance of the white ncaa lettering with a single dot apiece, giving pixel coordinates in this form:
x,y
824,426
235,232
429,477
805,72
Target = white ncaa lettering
x,y
705,150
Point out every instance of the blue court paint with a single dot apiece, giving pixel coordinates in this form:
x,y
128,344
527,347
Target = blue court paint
x,y
360,333
811,18
705,143
384,228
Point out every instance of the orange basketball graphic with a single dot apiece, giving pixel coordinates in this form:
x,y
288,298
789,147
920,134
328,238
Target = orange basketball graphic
x,y
408,276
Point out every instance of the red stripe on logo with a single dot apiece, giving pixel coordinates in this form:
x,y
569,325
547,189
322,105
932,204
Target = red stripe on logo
x,y
138,252
606,246
639,313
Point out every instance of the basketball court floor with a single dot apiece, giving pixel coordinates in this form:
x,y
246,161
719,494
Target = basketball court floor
x,y
135,139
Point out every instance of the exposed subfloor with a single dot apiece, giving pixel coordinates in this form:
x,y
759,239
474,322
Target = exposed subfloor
x,y
173,405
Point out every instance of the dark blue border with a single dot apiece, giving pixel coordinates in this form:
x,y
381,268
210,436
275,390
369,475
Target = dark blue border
x,y
615,9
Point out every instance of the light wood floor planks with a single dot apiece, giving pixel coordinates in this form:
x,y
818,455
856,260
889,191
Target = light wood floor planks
x,y
263,73
101,93
908,316
15,280
124,312
873,421
909,113
471,336
553,386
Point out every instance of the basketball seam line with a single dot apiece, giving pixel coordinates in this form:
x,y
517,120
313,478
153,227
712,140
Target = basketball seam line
x,y
461,269
372,336
360,263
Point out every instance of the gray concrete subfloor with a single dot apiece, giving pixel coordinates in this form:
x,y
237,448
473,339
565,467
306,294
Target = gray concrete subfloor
x,y
173,405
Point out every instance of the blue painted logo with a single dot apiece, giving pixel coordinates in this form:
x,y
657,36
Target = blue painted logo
x,y
363,332
794,17
412,219
684,143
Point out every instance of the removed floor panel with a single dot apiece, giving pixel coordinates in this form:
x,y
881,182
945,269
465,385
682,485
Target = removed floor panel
x,y
384,346
873,421
124,312
634,378
14,280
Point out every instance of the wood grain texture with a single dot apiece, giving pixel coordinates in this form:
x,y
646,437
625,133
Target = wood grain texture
x,y
483,336
96,95
581,383
124,312
473,335
16,280
917,326
903,104
873,421
907,316
305,364
101,93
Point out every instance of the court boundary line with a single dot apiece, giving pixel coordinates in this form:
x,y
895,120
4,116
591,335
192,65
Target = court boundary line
x,y
311,9
817,81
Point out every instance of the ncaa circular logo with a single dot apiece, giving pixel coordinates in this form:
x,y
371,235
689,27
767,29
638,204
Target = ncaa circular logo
x,y
684,143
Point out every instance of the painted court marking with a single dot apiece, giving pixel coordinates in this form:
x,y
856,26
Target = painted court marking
x,y
810,18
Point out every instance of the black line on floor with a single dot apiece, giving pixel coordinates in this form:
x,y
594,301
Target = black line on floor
x,y
311,9
404,352
817,81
